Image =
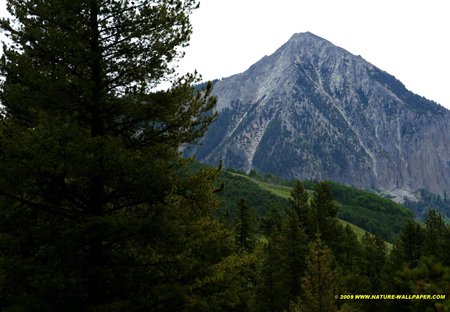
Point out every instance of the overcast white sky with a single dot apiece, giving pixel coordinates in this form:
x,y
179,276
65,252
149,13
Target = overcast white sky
x,y
410,39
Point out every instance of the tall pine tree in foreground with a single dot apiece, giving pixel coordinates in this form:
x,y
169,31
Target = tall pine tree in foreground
x,y
97,209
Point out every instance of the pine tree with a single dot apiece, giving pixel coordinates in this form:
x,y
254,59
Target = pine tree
x,y
435,236
98,211
272,223
324,211
348,254
428,277
321,282
299,203
373,260
270,294
245,230
411,243
293,250
270,290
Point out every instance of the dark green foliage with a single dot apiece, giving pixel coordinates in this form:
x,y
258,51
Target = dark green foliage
x,y
363,267
427,277
374,253
411,242
97,211
299,203
270,293
293,250
348,254
418,264
271,223
324,214
373,213
386,226
353,197
237,186
245,227
283,264
372,261
321,282
436,238
357,267
348,249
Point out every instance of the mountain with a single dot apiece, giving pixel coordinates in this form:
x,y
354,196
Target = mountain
x,y
312,110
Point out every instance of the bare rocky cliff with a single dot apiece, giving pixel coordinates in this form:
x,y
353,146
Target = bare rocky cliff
x,y
312,110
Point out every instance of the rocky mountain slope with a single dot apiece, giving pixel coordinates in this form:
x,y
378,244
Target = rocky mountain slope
x,y
312,110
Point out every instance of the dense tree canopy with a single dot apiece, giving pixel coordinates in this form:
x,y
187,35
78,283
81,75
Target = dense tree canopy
x,y
80,72
98,211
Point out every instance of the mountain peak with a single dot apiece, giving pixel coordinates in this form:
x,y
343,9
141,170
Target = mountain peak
x,y
308,39
306,35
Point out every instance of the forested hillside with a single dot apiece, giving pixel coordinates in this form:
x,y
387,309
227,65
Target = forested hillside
x,y
366,210
299,249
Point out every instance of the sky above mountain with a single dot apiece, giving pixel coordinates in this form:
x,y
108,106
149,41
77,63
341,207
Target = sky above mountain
x,y
407,38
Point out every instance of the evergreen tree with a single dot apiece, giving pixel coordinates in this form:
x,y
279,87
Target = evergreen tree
x,y
299,203
435,236
246,223
373,260
428,277
372,264
271,224
324,211
270,294
270,291
321,282
348,254
411,242
238,276
98,211
293,250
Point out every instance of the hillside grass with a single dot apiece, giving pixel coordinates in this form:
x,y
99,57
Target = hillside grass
x,y
279,190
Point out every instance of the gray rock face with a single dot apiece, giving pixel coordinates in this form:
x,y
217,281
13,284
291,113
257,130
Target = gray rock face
x,y
312,110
